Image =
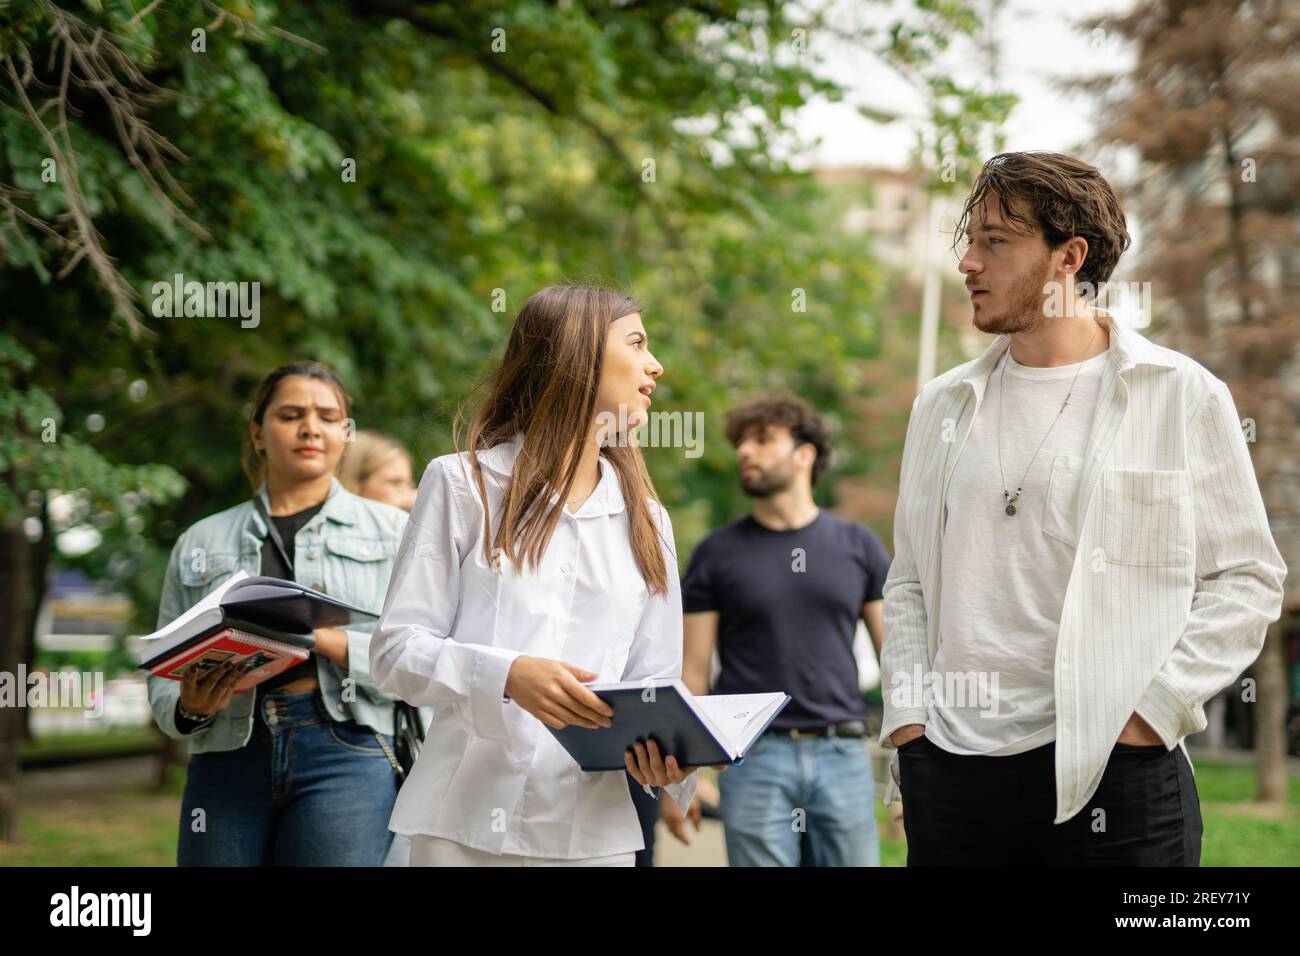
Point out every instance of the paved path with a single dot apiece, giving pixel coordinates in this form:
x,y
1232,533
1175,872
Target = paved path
x,y
706,849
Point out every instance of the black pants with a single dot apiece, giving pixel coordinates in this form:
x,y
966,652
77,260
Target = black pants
x,y
963,810
647,813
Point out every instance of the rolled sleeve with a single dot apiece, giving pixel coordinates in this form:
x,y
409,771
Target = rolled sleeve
x,y
1167,712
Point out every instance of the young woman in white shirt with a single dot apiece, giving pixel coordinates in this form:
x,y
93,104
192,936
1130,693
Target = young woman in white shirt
x,y
536,561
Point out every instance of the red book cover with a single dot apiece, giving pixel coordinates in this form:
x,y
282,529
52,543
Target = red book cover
x,y
260,658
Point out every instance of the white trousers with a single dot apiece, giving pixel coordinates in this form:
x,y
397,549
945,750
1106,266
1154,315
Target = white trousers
x,y
435,851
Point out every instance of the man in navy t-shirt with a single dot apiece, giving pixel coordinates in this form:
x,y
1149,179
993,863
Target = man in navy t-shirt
x,y
779,593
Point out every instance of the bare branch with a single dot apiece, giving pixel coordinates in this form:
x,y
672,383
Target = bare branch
x,y
96,60
259,30
14,212
88,240
143,13
99,66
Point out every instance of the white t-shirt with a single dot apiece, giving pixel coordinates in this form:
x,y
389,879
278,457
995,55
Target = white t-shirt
x,y
1004,577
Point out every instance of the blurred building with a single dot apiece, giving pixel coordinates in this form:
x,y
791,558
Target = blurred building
x,y
887,205
79,615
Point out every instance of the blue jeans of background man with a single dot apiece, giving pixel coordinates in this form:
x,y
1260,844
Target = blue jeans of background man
x,y
816,792
306,790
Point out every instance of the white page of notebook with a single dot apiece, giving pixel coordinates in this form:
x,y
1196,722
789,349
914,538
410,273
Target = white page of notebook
x,y
738,716
208,602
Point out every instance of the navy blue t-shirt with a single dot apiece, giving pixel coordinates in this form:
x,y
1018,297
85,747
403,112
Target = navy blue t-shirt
x,y
785,629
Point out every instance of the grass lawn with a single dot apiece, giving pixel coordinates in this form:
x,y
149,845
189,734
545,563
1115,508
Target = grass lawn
x,y
1237,831
118,830
43,749
139,829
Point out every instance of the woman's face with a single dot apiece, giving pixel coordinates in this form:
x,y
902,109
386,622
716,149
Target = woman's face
x,y
391,483
628,374
301,430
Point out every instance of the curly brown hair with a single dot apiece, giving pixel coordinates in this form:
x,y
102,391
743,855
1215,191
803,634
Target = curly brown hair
x,y
805,425
1066,198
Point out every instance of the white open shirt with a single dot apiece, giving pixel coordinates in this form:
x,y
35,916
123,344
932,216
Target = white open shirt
x,y
490,775
1175,577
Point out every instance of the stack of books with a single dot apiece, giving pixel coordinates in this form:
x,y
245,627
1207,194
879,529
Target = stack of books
x,y
263,625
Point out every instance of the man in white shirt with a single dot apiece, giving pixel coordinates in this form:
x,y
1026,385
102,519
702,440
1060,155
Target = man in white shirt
x,y
1082,556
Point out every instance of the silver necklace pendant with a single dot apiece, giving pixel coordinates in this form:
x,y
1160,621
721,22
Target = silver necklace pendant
x,y
1011,508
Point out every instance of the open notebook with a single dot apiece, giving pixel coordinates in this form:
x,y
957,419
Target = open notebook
x,y
698,731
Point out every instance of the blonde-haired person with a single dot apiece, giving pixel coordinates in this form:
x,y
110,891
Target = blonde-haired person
x,y
378,467
536,561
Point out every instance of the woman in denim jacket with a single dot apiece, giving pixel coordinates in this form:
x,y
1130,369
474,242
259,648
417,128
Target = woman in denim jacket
x,y
299,770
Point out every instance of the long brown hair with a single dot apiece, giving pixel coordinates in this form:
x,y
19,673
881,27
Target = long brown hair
x,y
545,387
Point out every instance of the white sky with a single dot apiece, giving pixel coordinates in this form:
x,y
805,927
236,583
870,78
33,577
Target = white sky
x,y
1039,42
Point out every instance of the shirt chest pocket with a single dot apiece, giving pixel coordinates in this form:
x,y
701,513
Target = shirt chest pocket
x,y
358,569
202,571
1147,517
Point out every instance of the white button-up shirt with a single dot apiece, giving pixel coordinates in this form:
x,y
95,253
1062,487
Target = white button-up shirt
x,y
1174,580
490,775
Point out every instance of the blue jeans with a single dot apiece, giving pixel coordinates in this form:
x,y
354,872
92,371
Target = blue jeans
x,y
789,797
399,853
305,790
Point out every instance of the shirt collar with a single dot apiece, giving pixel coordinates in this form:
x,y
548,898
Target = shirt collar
x,y
340,506
1127,348
606,499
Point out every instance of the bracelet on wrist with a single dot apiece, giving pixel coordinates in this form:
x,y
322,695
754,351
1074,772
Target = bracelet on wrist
x,y
192,718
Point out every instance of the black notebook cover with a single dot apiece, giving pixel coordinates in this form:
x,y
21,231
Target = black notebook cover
x,y
667,719
289,606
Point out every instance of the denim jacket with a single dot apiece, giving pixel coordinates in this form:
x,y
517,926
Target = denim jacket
x,y
346,550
